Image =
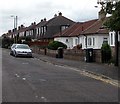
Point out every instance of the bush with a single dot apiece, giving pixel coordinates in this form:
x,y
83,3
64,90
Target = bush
x,y
6,42
53,45
106,53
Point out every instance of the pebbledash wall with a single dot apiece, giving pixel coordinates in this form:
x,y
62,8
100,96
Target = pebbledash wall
x,y
78,55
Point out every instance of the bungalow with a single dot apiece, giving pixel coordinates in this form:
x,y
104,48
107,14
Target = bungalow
x,y
70,36
95,35
90,34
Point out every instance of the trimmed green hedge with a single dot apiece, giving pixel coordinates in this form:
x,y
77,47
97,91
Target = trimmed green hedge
x,y
53,45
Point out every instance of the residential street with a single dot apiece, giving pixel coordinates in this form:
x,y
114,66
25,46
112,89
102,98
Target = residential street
x,y
35,80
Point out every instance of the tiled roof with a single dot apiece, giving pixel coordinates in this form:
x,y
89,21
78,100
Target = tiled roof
x,y
54,25
42,23
31,27
76,29
97,28
59,20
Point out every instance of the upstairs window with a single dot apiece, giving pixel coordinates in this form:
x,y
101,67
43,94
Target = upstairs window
x,y
64,27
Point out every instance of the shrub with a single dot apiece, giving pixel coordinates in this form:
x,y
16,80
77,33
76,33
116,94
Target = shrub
x,y
6,42
53,45
106,53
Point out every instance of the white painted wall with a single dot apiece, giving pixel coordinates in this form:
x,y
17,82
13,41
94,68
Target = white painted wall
x,y
73,41
66,40
98,41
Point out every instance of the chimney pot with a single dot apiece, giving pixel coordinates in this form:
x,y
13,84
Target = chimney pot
x,y
55,15
44,19
60,14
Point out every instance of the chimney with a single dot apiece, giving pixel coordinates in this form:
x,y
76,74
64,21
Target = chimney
x,y
22,26
60,14
18,27
15,29
101,14
44,19
9,31
41,20
55,15
34,23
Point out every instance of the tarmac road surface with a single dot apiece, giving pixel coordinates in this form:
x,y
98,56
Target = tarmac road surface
x,y
33,80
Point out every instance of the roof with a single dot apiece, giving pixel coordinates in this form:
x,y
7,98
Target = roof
x,y
76,29
42,23
97,28
54,25
59,20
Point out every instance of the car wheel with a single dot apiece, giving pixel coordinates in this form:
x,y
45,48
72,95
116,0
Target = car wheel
x,y
15,54
11,53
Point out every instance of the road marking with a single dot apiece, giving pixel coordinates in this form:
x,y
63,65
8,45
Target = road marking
x,y
26,63
17,75
24,78
88,74
93,75
44,99
42,80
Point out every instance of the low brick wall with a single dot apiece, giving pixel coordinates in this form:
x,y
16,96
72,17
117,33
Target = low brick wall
x,y
78,55
74,55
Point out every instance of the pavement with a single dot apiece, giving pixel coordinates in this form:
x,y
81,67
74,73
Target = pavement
x,y
99,69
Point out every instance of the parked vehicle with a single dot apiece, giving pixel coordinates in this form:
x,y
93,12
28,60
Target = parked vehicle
x,y
20,50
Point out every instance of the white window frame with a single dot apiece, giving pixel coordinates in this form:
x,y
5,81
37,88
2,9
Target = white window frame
x,y
89,41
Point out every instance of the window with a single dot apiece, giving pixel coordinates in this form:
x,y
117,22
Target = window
x,y
105,40
93,41
111,38
119,37
39,30
67,40
76,41
85,40
89,41
64,27
44,29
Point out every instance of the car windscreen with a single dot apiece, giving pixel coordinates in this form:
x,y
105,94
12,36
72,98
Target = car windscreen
x,y
23,47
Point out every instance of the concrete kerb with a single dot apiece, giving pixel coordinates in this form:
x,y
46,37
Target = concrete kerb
x,y
87,73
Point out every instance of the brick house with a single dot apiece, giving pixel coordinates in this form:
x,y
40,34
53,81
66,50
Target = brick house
x,y
55,25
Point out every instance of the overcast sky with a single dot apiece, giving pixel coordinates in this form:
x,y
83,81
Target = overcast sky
x,y
29,11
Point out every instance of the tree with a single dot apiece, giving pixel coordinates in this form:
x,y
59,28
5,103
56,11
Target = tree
x,y
113,22
6,42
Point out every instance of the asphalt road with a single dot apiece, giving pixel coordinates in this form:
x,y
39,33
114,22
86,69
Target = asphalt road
x,y
33,80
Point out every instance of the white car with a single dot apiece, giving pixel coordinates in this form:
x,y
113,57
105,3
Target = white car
x,y
20,50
